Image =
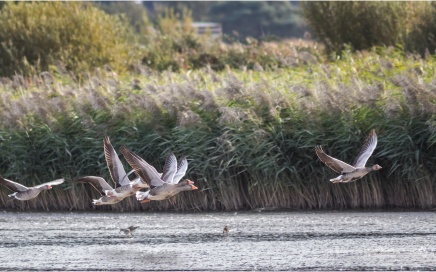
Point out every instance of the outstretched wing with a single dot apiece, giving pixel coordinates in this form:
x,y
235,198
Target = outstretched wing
x,y
367,149
182,167
170,168
335,164
132,228
97,182
54,182
116,168
145,171
14,186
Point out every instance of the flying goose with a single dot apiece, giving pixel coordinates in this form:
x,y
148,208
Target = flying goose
x,y
101,186
125,187
118,174
161,189
129,231
173,170
25,193
357,170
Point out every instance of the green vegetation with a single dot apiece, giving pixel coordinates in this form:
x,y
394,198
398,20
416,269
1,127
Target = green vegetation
x,y
249,136
73,36
363,25
77,37
248,115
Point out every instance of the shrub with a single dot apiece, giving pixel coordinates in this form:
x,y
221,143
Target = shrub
x,y
36,35
249,136
360,24
421,36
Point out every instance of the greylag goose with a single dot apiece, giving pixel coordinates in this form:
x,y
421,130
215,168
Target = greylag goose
x,y
166,191
125,187
118,174
101,186
25,193
357,170
161,189
129,231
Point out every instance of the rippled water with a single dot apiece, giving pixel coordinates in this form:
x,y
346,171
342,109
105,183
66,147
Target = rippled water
x,y
184,241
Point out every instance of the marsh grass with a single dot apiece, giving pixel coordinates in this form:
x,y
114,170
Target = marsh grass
x,y
249,135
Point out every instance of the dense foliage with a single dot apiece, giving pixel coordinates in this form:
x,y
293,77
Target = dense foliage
x,y
248,115
249,136
365,24
75,36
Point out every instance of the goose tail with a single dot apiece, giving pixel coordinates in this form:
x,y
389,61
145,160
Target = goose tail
x,y
12,195
337,179
96,202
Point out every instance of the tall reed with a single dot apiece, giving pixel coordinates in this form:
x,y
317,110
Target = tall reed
x,y
249,136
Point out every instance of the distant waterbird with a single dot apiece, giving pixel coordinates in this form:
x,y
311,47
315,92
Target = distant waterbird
x,y
25,193
226,230
129,230
356,171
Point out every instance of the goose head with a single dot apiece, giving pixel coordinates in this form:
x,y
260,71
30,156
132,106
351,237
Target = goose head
x,y
191,187
186,187
46,187
376,167
186,182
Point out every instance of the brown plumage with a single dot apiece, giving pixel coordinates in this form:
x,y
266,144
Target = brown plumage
x,y
25,193
357,170
160,189
129,230
226,230
123,187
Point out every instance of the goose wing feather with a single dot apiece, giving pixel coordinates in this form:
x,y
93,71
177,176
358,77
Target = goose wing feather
x,y
116,168
335,164
170,168
366,151
12,185
144,170
98,183
182,167
53,182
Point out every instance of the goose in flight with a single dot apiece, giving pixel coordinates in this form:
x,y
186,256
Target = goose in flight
x,y
124,187
101,186
356,171
25,193
162,186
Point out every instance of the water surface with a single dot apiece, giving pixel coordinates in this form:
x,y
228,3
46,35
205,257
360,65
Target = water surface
x,y
195,241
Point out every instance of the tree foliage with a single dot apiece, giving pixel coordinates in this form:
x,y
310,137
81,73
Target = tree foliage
x,y
35,35
258,19
360,24
422,34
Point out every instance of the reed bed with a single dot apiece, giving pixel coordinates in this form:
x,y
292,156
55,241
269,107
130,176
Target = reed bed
x,y
249,135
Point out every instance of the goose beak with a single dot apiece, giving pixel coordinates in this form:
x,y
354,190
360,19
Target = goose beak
x,y
145,200
194,187
190,182
49,187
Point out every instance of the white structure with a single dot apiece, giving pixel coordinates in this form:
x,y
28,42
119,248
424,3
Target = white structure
x,y
214,29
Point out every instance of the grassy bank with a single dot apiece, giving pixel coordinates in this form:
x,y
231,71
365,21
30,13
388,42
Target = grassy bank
x,y
249,135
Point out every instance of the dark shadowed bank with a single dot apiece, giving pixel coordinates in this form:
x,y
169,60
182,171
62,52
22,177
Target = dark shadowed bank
x,y
249,136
